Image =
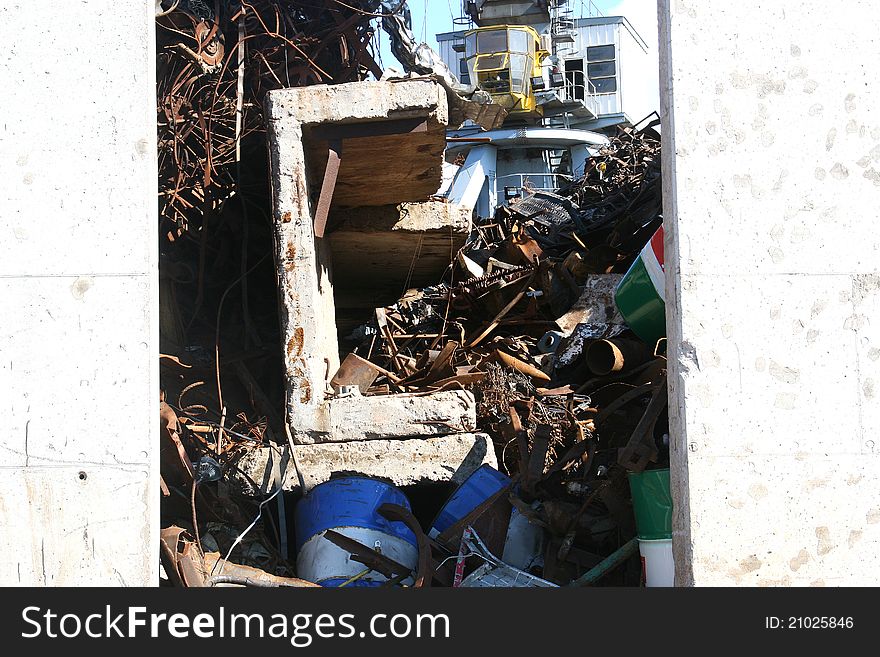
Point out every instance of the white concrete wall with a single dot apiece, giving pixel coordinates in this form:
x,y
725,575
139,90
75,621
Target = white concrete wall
x,y
78,330
772,184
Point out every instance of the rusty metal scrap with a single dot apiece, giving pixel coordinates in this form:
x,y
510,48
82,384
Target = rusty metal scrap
x,y
217,59
570,397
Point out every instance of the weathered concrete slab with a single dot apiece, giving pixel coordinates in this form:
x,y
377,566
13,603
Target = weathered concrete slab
x,y
298,120
378,252
381,417
77,525
403,462
774,150
79,333
376,170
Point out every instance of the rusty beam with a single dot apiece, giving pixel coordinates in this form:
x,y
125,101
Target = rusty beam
x,y
331,173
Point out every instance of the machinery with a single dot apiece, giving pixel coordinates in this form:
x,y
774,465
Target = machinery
x,y
507,63
513,53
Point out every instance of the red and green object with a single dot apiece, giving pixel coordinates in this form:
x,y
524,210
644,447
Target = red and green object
x,y
652,504
640,294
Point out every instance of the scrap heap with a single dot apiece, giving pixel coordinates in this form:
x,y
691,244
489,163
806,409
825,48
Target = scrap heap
x,y
220,365
526,319
216,62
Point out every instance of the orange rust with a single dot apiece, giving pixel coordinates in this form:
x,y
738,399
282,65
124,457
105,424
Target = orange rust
x,y
295,345
291,257
305,395
286,218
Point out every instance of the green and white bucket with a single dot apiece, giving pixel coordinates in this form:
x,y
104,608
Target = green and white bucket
x,y
640,295
652,505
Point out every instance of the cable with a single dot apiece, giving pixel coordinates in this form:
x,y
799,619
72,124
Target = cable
x,y
245,532
425,24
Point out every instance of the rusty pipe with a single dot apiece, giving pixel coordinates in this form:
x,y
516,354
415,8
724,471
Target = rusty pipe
x,y
520,366
615,354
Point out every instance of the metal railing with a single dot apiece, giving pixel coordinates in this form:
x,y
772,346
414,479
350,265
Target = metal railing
x,y
545,182
586,91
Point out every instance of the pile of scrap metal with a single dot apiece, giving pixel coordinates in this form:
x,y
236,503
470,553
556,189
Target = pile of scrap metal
x,y
526,318
217,59
220,372
529,319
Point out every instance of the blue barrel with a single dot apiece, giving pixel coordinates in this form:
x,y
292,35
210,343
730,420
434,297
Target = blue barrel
x,y
350,506
483,483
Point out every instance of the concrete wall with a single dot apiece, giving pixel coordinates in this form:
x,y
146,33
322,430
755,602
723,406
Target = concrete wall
x,y
772,184
304,263
78,331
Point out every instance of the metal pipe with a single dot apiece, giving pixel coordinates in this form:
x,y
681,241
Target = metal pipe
x,y
608,564
613,355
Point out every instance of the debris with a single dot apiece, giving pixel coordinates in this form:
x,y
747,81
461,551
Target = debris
x,y
539,351
495,573
483,484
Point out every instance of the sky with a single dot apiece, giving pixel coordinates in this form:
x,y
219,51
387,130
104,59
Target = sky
x,y
431,17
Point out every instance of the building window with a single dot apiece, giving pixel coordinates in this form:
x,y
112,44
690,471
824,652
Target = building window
x,y
602,68
464,75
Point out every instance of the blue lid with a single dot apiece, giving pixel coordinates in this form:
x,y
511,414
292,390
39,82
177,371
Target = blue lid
x,y
336,582
349,502
483,483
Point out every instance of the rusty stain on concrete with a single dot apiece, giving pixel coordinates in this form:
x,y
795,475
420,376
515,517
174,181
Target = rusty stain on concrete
x,y
295,344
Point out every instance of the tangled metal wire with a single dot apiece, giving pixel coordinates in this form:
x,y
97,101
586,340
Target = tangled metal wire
x,y
216,60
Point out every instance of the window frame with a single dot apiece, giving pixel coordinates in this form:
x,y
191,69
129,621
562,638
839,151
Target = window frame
x,y
597,80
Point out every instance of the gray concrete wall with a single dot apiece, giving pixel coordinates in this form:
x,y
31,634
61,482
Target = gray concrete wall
x,y
304,263
78,331
771,185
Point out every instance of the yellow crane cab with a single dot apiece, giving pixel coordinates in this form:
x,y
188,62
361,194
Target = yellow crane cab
x,y
503,60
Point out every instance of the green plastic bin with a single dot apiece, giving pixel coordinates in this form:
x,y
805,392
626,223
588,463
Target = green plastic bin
x,y
652,503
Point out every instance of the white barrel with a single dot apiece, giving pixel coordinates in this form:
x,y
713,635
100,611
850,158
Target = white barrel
x,y
327,564
657,564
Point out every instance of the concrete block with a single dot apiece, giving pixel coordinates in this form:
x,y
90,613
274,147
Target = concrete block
x,y
776,149
74,172
79,372
73,346
380,417
77,525
770,189
403,462
411,166
800,520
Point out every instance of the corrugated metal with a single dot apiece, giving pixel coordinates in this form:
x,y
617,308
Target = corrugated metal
x,y
599,35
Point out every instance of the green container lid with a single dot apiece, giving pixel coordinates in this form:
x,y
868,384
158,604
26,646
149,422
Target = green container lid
x,y
641,305
652,503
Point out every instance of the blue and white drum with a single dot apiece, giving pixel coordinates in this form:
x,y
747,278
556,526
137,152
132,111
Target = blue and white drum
x,y
350,506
